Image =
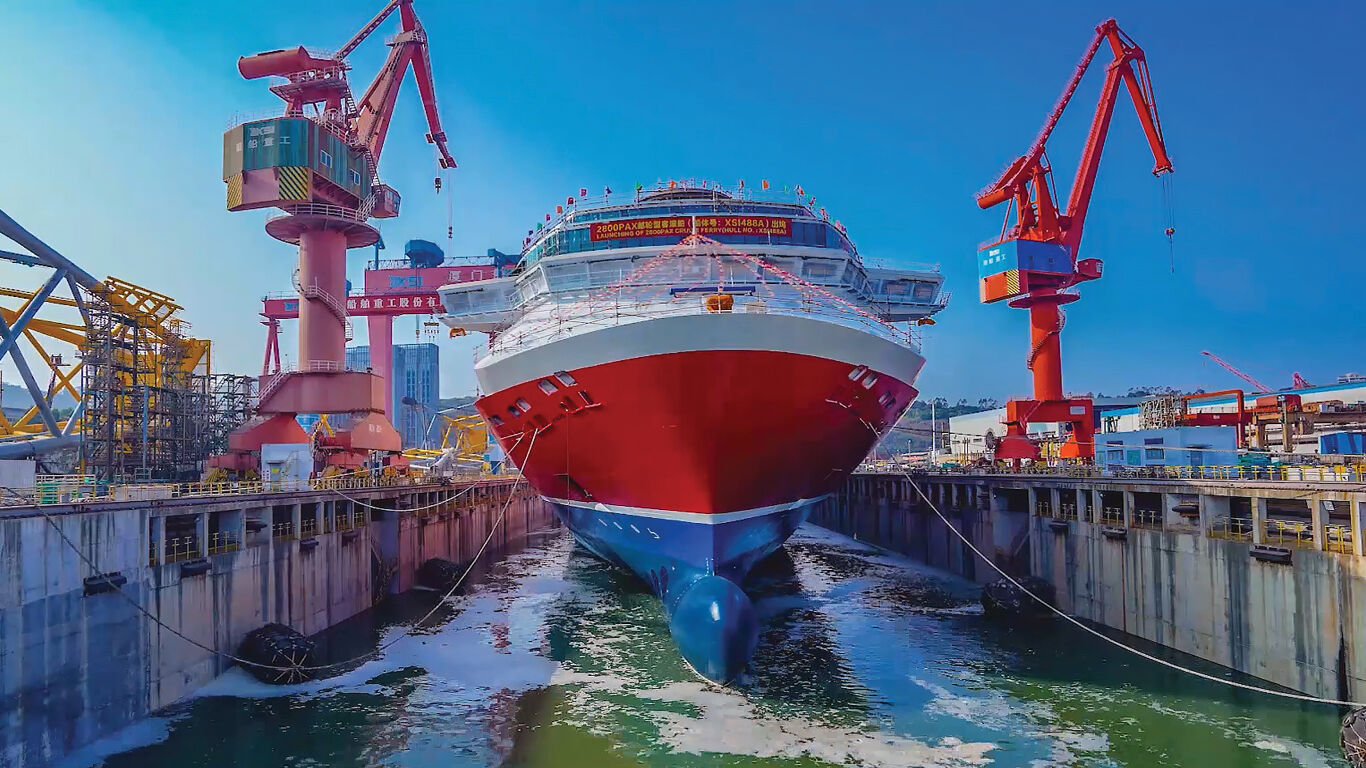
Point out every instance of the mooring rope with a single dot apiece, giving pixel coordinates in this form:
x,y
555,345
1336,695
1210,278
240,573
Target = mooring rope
x,y
1077,622
407,631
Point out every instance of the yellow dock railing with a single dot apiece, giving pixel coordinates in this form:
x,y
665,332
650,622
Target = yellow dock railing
x,y
1296,473
83,489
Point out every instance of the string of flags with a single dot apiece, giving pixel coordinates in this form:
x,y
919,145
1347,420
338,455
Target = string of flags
x,y
808,201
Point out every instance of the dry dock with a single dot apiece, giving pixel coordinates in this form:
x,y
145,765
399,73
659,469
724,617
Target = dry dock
x,y
212,563
1260,575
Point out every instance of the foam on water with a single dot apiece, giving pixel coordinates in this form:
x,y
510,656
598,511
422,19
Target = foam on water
x,y
151,730
868,659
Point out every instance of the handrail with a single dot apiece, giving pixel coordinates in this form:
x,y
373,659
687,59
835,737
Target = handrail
x,y
545,329
53,490
321,209
1287,473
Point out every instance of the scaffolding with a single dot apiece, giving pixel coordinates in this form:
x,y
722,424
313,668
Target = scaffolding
x,y
230,403
145,397
1162,411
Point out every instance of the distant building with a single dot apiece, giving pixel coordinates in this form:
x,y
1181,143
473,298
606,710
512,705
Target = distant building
x,y
969,435
1171,447
415,375
357,358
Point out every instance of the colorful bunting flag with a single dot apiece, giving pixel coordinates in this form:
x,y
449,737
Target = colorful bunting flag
x,y
764,183
800,191
742,183
583,192
559,209
606,191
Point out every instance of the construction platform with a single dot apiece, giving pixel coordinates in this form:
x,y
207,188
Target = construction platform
x,y
86,581
1261,575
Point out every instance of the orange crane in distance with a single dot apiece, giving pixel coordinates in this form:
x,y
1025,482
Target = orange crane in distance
x,y
1034,262
1296,380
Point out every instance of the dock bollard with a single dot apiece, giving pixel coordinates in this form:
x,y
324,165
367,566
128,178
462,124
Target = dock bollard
x,y
281,653
1003,598
1352,738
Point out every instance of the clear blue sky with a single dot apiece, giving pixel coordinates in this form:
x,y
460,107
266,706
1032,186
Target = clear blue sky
x,y
891,114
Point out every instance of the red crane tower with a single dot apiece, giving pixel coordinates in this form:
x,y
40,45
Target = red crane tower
x,y
317,163
1034,263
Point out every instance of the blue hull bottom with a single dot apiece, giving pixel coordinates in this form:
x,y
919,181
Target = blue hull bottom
x,y
695,564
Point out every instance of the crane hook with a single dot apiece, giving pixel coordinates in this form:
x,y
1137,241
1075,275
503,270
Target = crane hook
x,y
437,183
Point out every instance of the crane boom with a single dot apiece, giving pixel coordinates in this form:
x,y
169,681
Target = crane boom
x,y
1256,385
1027,180
365,31
376,108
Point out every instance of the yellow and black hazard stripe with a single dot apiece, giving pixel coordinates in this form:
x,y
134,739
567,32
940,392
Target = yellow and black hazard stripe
x,y
234,191
293,182
1013,282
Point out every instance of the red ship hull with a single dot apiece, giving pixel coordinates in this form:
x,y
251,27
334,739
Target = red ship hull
x,y
705,432
688,448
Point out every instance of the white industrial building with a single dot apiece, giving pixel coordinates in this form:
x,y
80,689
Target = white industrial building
x,y
967,436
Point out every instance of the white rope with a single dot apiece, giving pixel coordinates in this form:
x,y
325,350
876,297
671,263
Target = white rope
x,y
1077,623
407,631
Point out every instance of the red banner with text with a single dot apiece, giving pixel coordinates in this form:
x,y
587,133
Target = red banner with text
x,y
680,226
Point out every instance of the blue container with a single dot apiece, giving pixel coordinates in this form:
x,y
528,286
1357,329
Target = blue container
x,y
1027,255
1343,443
424,254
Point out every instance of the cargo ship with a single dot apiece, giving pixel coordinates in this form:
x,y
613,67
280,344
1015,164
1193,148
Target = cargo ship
x,y
682,372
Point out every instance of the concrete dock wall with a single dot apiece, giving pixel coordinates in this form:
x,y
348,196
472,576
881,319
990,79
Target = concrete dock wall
x,y
1122,554
75,666
1294,624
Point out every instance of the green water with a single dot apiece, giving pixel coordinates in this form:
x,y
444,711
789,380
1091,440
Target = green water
x,y
553,658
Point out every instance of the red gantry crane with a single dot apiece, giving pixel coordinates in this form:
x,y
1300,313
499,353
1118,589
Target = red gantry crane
x,y
318,164
1034,262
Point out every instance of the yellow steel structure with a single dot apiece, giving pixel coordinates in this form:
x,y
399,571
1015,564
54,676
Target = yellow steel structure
x,y
468,435
155,321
